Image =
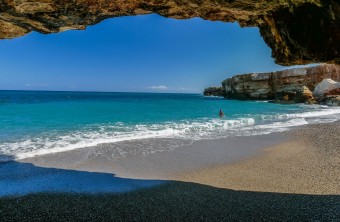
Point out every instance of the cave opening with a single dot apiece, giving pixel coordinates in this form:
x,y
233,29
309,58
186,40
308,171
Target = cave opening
x,y
146,53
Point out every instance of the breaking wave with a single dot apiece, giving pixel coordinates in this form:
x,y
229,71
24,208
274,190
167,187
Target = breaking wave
x,y
204,128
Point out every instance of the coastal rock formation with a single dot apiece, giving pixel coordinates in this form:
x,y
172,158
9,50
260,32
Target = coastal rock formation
x,y
332,101
298,31
328,92
326,86
287,86
214,91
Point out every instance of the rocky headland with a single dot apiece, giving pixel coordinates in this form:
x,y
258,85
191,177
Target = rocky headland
x,y
318,84
297,31
214,91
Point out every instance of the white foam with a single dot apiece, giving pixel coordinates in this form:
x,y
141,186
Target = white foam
x,y
325,112
309,114
285,124
118,133
188,129
262,101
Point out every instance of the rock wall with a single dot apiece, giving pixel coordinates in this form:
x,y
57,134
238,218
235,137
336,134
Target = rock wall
x,y
214,91
292,85
298,31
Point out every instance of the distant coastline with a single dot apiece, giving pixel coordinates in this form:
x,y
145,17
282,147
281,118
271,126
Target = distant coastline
x,y
318,84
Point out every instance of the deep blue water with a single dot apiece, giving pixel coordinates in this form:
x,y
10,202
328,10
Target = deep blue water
x,y
36,122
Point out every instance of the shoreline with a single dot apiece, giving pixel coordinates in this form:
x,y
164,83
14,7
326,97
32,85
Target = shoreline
x,y
308,163
294,178
158,158
255,159
99,170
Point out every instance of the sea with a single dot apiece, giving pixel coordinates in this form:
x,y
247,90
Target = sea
x,y
42,122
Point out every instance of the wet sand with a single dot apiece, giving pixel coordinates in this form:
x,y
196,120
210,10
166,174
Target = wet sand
x,y
289,176
158,158
126,166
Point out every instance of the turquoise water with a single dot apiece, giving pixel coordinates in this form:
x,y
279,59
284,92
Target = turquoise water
x,y
35,123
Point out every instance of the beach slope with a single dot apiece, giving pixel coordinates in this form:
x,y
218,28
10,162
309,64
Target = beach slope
x,y
297,179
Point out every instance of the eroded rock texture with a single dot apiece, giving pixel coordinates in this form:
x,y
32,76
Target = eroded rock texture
x,y
214,91
287,86
298,31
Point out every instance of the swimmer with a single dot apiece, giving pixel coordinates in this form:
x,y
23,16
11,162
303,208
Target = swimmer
x,y
221,114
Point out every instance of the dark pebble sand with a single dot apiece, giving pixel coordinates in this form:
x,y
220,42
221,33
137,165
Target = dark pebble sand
x,y
297,180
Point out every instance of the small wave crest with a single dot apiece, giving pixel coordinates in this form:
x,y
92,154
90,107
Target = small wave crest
x,y
309,114
54,142
284,124
118,132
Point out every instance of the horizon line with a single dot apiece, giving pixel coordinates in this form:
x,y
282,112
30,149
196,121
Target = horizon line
x,y
90,91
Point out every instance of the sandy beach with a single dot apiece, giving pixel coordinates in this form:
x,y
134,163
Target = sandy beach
x,y
293,175
306,163
133,110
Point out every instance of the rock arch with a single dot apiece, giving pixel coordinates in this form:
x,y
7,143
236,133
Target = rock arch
x,y
298,31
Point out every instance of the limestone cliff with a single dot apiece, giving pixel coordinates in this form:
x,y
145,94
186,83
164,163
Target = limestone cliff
x,y
298,31
292,85
214,91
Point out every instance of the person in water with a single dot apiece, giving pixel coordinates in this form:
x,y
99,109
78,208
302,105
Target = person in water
x,y
221,114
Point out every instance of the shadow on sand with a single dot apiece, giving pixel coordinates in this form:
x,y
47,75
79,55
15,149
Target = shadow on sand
x,y
69,195
17,178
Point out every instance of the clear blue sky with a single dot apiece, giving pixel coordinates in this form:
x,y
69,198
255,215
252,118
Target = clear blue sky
x,y
139,54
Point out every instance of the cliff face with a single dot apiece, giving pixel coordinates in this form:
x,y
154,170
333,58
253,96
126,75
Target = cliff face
x,y
292,85
214,91
298,31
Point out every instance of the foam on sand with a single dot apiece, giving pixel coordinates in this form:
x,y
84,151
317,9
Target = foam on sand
x,y
196,129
